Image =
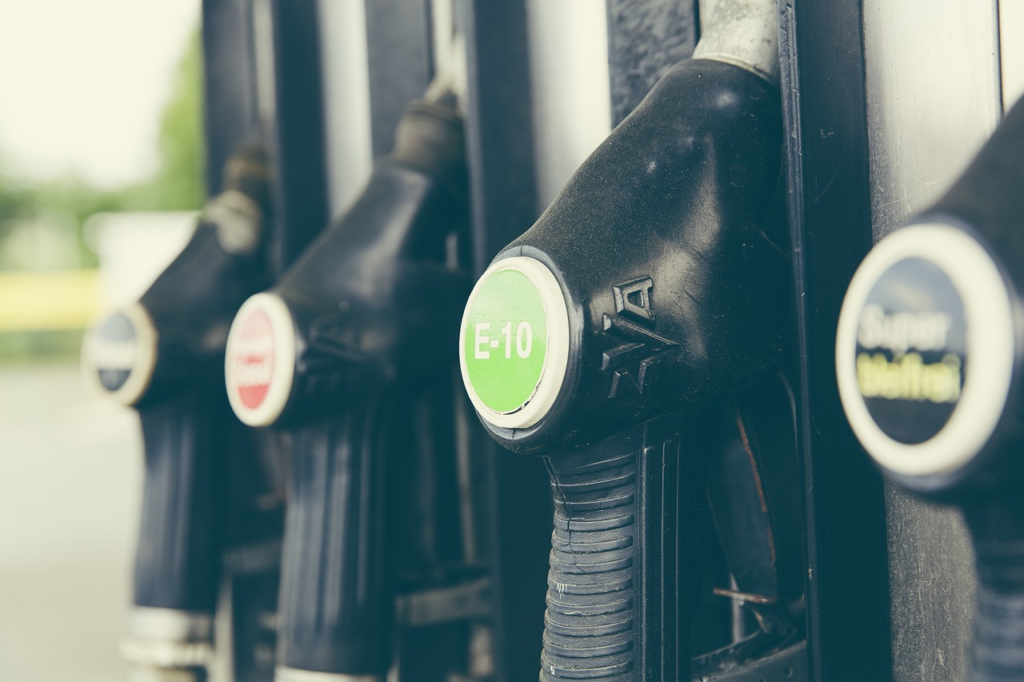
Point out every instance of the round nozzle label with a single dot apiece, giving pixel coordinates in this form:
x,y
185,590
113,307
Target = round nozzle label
x,y
119,354
254,359
924,352
912,350
260,360
514,342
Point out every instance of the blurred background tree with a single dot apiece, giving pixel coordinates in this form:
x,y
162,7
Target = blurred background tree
x,y
42,222
178,184
63,204
99,113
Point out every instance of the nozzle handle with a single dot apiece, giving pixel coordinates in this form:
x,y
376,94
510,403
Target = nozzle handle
x,y
178,559
955,273
177,562
336,606
615,584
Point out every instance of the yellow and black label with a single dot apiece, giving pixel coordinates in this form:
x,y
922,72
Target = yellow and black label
x,y
909,377
911,354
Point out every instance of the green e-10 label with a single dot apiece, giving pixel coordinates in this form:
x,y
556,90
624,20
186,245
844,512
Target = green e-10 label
x,y
506,342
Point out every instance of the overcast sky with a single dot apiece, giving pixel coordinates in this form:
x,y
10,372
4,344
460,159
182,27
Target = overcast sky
x,y
82,83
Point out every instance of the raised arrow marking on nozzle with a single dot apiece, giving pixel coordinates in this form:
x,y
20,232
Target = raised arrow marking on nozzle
x,y
634,298
335,336
642,347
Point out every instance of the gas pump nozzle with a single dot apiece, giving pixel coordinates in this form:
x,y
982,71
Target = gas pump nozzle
x,y
929,355
162,356
362,319
647,288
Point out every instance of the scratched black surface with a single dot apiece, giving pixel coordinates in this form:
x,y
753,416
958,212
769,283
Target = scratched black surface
x,y
821,44
645,38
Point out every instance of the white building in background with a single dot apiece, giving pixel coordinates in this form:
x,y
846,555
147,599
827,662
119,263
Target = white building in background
x,y
133,248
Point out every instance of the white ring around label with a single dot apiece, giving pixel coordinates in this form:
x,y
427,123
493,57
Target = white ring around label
x,y
988,315
141,372
556,358
283,332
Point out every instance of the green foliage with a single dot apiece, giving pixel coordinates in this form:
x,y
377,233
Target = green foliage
x,y
62,205
15,204
178,183
17,348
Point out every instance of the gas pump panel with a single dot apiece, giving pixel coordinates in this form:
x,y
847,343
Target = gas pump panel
x,y
658,346
928,359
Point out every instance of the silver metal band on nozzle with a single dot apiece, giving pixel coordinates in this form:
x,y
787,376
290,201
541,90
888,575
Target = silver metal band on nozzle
x,y
450,72
163,644
150,674
119,354
238,220
744,33
285,674
259,360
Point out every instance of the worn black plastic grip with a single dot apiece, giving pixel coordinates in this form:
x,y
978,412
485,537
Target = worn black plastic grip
x,y
375,290
986,203
177,563
185,418
676,201
192,302
589,626
335,600
374,305
614,583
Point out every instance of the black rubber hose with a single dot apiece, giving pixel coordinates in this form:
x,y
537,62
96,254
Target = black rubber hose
x,y
613,575
998,637
997,647
589,626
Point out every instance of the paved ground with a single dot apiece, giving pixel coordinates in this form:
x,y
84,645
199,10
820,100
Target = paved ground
x,y
70,468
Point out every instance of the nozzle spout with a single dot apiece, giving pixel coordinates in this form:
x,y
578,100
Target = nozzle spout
x,y
744,33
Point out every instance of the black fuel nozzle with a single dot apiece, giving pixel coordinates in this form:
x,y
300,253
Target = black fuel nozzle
x,y
164,356
928,359
174,336
331,354
647,288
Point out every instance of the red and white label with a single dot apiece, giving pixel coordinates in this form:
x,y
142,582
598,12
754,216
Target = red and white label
x,y
252,359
